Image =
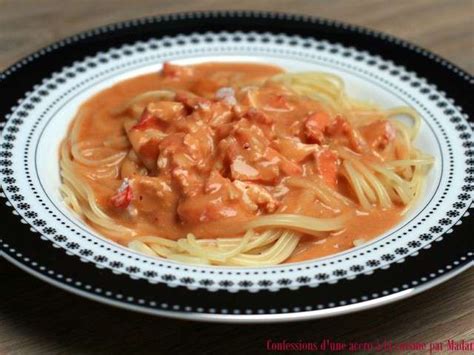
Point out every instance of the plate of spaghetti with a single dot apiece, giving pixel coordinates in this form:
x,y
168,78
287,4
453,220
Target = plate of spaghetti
x,y
166,170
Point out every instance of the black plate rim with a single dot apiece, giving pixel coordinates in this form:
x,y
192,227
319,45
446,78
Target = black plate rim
x,y
249,319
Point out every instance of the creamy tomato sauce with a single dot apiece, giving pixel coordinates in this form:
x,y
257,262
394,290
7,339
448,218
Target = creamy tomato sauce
x,y
219,153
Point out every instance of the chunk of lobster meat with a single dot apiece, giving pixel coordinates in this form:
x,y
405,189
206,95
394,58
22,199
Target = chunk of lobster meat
x,y
262,171
219,119
146,120
221,199
294,149
315,125
166,111
258,116
152,185
132,166
241,170
286,165
169,147
189,182
226,151
149,151
250,116
199,145
340,128
296,129
251,138
217,183
242,154
208,208
279,102
148,190
272,98
145,143
219,114
248,164
174,71
123,196
327,165
239,162
184,150
185,155
378,134
256,197
193,102
223,131
157,115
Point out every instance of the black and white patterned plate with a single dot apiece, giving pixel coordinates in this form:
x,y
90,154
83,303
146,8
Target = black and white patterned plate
x,y
41,93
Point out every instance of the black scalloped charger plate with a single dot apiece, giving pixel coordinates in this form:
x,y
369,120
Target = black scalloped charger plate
x,y
41,93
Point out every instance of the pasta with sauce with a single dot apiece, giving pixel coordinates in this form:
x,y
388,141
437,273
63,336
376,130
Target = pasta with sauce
x,y
239,164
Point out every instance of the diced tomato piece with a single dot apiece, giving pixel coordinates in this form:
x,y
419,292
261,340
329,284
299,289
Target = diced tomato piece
x,y
174,71
379,133
123,197
315,125
327,164
146,120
